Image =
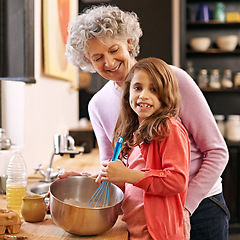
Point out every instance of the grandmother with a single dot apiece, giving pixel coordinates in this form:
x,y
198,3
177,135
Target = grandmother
x,y
105,40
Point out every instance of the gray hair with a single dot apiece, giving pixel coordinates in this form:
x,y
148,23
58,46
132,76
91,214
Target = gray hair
x,y
97,22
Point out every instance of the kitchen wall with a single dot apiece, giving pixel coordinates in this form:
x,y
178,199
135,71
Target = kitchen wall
x,y
33,113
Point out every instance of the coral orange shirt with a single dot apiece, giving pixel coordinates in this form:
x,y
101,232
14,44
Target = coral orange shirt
x,y
165,186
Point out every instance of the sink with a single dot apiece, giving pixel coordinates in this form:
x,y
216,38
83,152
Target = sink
x,y
41,188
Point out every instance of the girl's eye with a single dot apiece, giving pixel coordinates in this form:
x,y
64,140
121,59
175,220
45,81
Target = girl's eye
x,y
137,88
153,89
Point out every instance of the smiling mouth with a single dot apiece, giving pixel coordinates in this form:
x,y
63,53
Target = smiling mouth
x,y
144,105
116,68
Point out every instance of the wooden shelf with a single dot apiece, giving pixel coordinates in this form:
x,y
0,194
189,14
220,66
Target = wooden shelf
x,y
211,51
212,24
221,90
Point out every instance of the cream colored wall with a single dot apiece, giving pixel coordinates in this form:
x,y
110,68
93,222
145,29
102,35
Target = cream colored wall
x,y
33,113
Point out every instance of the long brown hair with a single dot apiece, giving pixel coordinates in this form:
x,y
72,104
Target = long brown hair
x,y
155,126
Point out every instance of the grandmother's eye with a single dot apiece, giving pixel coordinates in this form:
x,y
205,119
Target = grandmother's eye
x,y
114,50
96,59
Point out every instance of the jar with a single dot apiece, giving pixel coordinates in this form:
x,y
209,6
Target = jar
x,y
227,79
215,79
237,80
203,78
33,208
220,123
233,128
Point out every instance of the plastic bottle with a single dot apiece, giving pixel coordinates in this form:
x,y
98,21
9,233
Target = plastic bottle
x,y
16,187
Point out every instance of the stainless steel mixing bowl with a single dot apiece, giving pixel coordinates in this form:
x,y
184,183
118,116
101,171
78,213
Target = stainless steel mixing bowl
x,y
82,220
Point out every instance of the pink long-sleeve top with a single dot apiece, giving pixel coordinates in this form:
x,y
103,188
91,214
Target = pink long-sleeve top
x,y
209,153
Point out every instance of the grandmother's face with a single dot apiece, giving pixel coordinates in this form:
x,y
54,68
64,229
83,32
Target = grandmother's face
x,y
110,58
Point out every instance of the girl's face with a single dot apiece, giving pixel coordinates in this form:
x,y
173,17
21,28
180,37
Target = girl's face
x,y
143,97
110,58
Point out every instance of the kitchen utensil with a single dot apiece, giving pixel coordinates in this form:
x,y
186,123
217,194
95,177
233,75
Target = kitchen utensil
x,y
10,237
5,143
200,44
227,42
3,179
33,208
104,188
69,210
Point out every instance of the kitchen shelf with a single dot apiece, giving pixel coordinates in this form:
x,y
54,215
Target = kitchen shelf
x,y
212,24
221,101
220,90
210,1
212,51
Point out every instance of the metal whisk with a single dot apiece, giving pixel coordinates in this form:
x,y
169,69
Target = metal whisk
x,y
104,188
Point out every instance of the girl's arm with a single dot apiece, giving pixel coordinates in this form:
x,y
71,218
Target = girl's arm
x,y
167,168
116,171
170,175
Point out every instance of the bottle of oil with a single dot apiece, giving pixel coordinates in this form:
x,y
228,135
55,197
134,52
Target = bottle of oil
x,y
16,187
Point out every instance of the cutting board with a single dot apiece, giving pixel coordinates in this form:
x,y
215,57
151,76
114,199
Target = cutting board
x,y
48,230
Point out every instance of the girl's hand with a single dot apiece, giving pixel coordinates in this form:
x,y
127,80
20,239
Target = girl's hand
x,y
113,171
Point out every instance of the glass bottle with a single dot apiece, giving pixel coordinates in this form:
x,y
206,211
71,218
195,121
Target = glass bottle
x,y
190,69
16,187
227,79
237,80
233,128
203,78
220,123
215,79
219,13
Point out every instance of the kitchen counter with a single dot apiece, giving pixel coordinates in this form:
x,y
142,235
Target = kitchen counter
x,y
88,162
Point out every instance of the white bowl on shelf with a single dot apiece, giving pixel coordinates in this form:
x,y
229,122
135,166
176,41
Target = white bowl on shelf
x,y
227,43
200,44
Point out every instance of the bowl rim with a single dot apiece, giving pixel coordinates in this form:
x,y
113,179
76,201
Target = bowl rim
x,y
78,207
226,37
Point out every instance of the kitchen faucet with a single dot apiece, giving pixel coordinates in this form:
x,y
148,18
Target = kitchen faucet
x,y
63,144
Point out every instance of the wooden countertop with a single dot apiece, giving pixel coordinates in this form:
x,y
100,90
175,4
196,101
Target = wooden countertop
x,y
88,162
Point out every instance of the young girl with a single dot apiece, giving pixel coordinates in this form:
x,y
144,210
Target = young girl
x,y
157,150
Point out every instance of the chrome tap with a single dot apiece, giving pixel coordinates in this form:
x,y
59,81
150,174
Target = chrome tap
x,y
49,175
63,144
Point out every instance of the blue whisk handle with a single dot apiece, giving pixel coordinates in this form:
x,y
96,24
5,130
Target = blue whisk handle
x,y
117,148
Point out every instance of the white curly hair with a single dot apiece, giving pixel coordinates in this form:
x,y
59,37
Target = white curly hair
x,y
98,22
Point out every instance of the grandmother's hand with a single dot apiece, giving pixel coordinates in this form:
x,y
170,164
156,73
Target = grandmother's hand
x,y
72,173
186,223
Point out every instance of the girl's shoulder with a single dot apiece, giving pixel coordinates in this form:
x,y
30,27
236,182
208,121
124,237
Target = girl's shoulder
x,y
174,123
